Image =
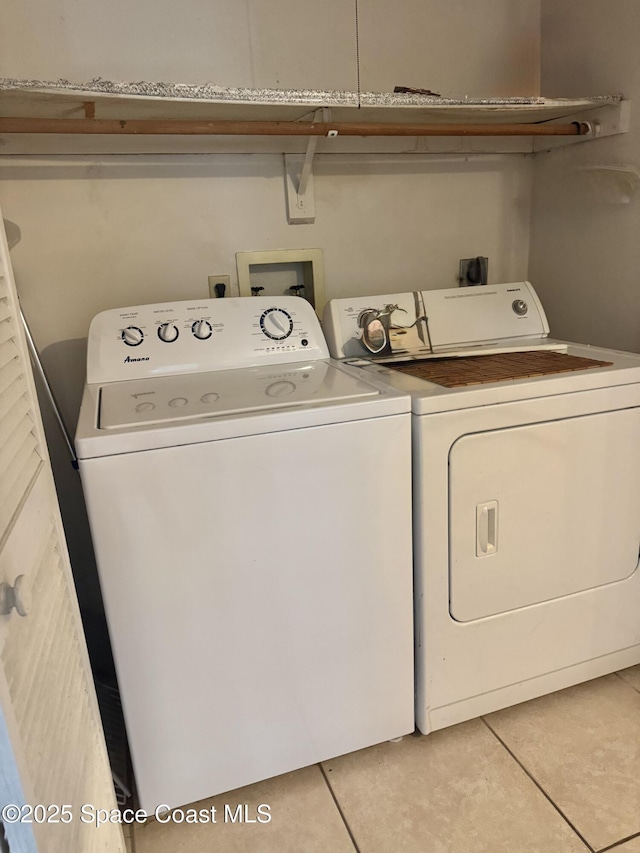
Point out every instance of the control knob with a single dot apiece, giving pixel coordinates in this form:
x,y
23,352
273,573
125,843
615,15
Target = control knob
x,y
167,332
281,389
201,330
132,336
276,324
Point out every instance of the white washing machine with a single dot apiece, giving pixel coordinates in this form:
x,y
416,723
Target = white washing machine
x,y
526,492
250,506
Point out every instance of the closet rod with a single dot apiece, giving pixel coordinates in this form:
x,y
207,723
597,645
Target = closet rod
x,y
281,128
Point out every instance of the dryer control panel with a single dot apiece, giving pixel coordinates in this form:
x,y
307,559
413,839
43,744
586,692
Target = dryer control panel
x,y
171,338
434,321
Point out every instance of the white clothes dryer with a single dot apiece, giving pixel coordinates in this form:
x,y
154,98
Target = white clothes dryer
x,y
526,463
250,506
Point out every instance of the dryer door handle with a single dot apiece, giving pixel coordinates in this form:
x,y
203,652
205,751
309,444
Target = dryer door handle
x,y
486,528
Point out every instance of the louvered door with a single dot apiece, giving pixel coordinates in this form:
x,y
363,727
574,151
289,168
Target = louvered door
x,y
20,459
46,691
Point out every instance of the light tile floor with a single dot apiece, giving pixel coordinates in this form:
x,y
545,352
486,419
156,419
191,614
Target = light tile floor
x,y
559,774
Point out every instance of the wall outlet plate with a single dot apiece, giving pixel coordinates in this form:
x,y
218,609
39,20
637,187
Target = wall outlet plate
x,y
301,209
219,279
473,271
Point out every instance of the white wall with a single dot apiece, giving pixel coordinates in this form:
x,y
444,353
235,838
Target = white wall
x,y
585,248
456,47
479,48
193,41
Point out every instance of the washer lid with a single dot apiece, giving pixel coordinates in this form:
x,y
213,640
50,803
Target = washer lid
x,y
168,399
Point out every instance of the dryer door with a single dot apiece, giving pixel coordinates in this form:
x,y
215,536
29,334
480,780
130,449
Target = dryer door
x,y
542,511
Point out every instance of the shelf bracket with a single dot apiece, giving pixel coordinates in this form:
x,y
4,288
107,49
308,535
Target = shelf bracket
x,y
613,184
305,172
608,120
301,207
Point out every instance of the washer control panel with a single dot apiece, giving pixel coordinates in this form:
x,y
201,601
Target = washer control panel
x,y
200,336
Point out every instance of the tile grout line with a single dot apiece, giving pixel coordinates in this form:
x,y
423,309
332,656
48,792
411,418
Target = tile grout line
x,y
339,807
628,683
618,843
636,834
539,787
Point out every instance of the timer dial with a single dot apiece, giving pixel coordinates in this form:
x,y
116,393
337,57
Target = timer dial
x,y
132,336
167,332
201,330
276,324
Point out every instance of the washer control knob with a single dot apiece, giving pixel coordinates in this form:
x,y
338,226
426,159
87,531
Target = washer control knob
x,y
276,324
145,407
201,329
520,307
178,402
211,397
168,333
132,336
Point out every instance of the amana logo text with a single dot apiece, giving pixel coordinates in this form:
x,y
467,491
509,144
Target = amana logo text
x,y
144,358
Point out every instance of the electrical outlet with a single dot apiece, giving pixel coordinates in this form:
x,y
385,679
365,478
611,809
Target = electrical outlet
x,y
223,290
473,271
